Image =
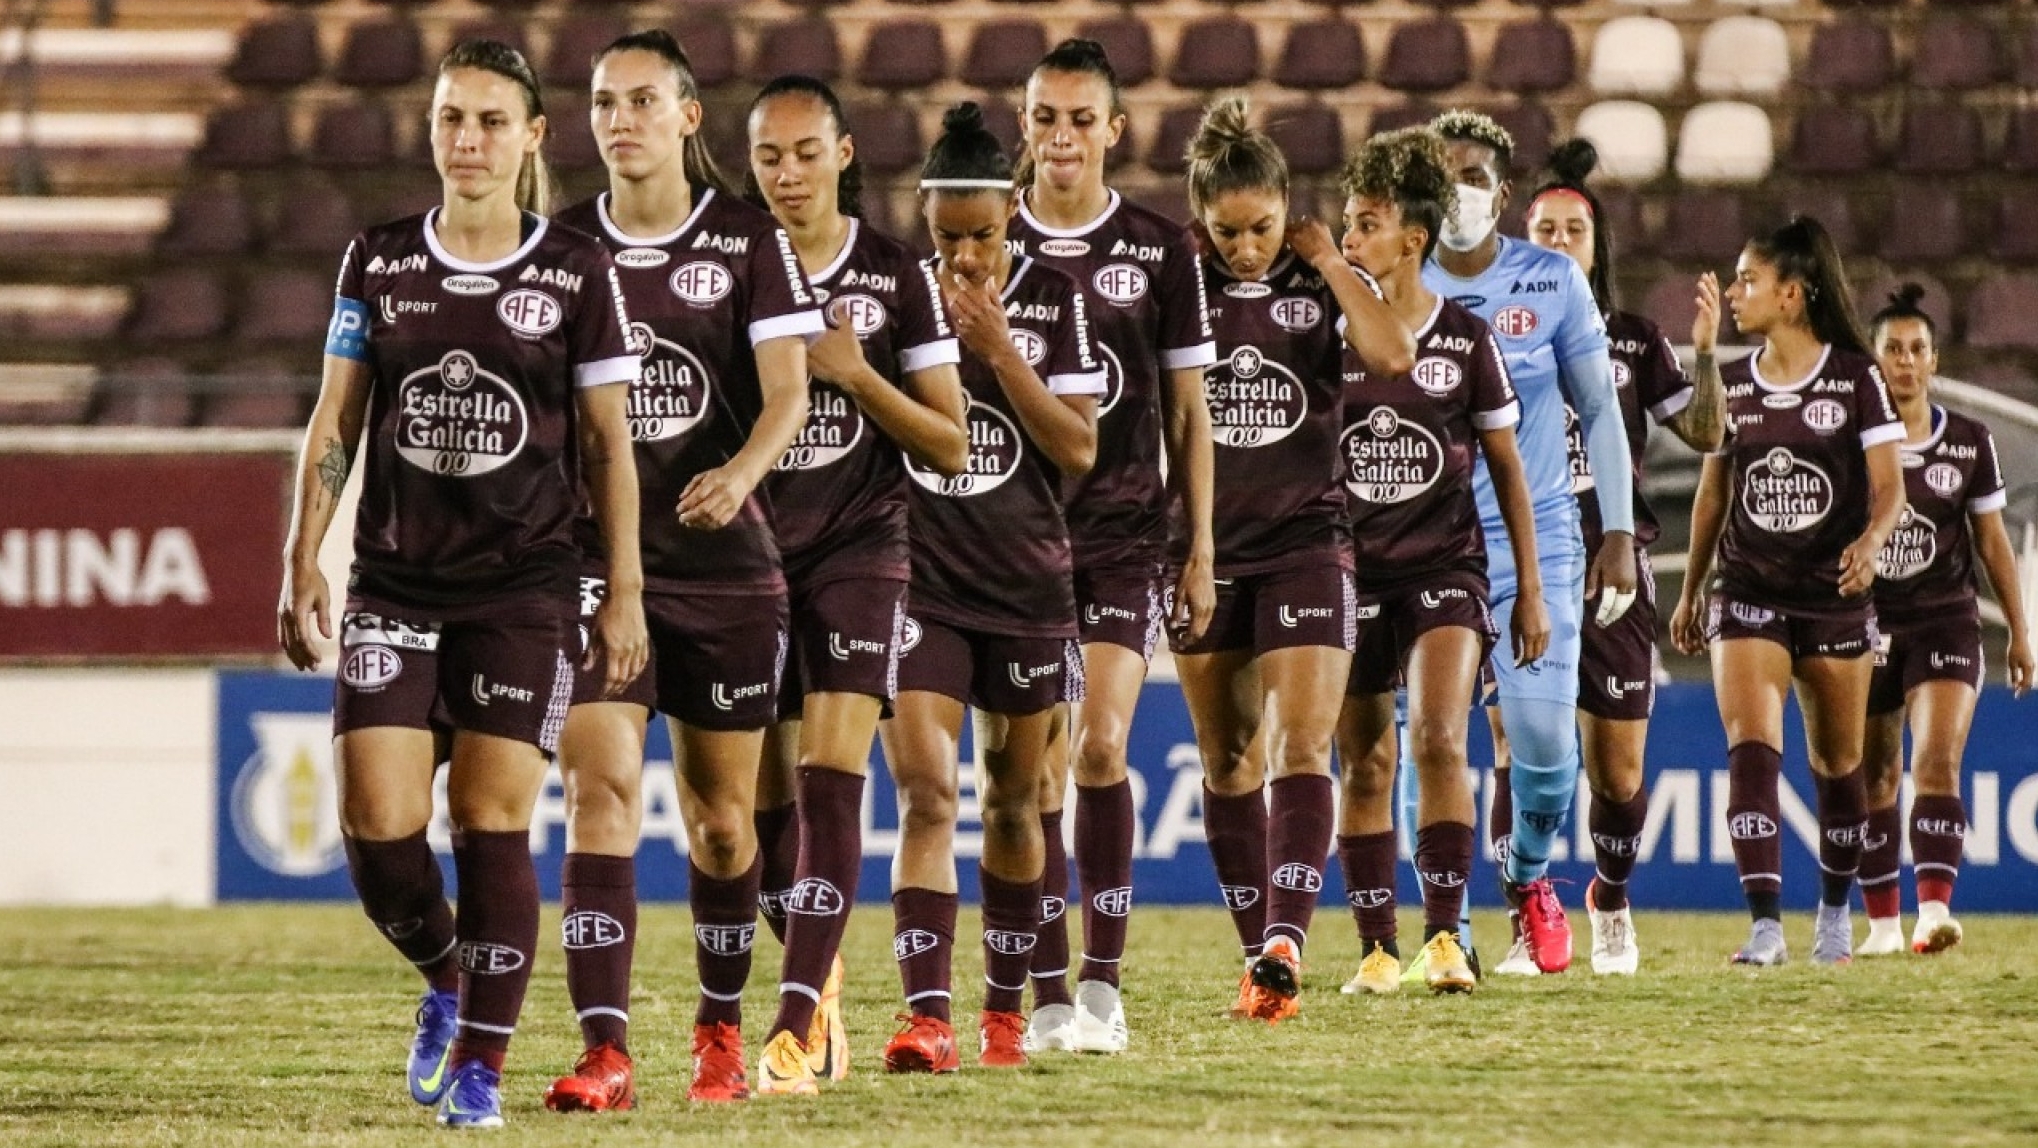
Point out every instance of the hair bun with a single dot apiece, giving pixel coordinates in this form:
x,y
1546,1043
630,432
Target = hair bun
x,y
963,117
1574,160
1907,296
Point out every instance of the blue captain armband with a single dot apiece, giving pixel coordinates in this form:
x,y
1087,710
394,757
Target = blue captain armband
x,y
347,337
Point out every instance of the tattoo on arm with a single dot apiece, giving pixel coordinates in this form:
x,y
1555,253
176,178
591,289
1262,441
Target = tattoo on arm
x,y
332,468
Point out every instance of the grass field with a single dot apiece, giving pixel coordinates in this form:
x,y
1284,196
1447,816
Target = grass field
x,y
274,1025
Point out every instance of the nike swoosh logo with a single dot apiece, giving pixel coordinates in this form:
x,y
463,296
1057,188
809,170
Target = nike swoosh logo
x,y
431,1083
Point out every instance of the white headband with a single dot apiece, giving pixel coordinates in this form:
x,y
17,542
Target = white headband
x,y
965,185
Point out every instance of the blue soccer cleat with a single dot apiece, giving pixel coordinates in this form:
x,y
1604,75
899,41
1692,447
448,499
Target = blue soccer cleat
x,y
473,1097
438,1020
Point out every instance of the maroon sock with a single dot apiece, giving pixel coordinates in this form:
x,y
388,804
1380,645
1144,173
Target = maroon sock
x,y
923,943
1938,833
598,927
403,891
1011,929
1881,860
498,930
724,928
1105,827
1443,864
1500,819
1236,828
1754,820
831,857
778,856
1616,845
1048,963
1300,823
1367,860
1843,823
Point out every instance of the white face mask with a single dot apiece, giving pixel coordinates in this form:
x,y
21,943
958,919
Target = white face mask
x,y
1474,220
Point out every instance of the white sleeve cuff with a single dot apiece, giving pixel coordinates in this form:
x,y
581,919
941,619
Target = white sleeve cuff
x,y
602,372
1887,432
1505,416
1989,503
1182,358
1088,384
939,353
1666,410
797,323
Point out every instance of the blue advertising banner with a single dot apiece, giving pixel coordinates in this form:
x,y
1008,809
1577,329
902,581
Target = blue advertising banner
x,y
279,829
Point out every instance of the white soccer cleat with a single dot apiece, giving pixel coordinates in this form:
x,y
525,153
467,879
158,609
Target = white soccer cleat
x,y
1100,1019
1518,963
1936,930
1885,938
1051,1028
1765,947
1832,935
1614,953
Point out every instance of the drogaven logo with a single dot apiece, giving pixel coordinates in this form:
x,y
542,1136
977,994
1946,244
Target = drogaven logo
x,y
284,802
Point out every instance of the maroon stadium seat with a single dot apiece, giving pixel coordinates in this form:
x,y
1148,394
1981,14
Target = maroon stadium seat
x,y
1321,55
2020,143
279,52
1852,54
1408,114
569,138
1999,313
1925,223
1829,204
1533,56
246,135
1672,303
152,392
1169,198
576,37
1704,226
1311,135
1531,126
256,393
502,31
1219,52
210,218
1002,53
806,47
1621,215
313,218
285,306
887,137
181,304
381,54
1938,139
2015,235
1001,119
2024,72
1128,43
710,44
1955,53
359,135
1834,139
1171,138
902,55
1428,55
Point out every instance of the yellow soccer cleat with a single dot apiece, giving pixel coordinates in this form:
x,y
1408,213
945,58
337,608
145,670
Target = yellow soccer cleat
x,y
785,1069
827,1038
1445,968
1379,974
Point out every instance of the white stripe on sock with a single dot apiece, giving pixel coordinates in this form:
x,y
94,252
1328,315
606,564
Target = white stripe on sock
x,y
494,1028
812,994
603,1010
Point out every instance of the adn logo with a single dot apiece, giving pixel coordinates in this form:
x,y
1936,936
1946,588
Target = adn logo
x,y
1009,943
912,943
488,959
1114,902
814,897
1298,877
589,929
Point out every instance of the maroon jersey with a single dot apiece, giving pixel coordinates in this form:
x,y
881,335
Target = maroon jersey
x,y
1797,464
1651,384
473,478
1409,445
1147,315
842,484
1926,569
1275,397
701,298
990,548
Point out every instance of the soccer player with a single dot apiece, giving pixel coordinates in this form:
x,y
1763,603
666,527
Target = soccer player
x,y
1406,461
722,313
1264,683
992,607
476,348
884,378
1794,507
1152,328
1929,664
1541,308
1616,669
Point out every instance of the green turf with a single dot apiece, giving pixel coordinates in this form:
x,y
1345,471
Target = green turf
x,y
274,1025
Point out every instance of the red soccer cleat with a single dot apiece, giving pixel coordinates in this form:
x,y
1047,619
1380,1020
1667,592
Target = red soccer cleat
x,y
925,1044
718,1072
603,1080
1274,989
1004,1039
1543,926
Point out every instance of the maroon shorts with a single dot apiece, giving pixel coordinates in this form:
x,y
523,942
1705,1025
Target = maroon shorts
x,y
1847,632
1390,621
509,675
846,638
995,673
1617,666
1120,605
716,659
1307,606
1909,654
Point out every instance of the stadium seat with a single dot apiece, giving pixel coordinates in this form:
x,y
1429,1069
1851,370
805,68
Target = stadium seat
x,y
45,394
1532,56
1834,139
1938,139
1742,56
359,135
1427,55
1999,313
255,393
1873,289
805,46
285,306
1530,125
1704,225
209,219
313,218
1724,141
278,52
1218,52
381,54
1672,303
1408,114
1320,55
1168,198
152,392
1955,53
2020,143
902,55
1001,119
1828,203
2024,72
576,37
1311,135
1129,44
1634,145
243,136
1851,55
1925,223
711,45
569,138
1172,133
1621,215
1636,55
887,137
184,304
501,30
1002,53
